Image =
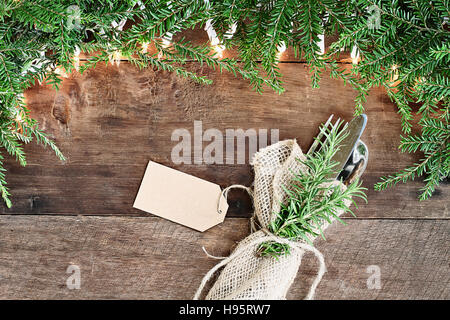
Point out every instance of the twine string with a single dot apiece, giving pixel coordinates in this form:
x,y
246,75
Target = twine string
x,y
268,236
224,193
301,247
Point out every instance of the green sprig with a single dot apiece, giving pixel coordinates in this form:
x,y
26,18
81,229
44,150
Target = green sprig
x,y
312,198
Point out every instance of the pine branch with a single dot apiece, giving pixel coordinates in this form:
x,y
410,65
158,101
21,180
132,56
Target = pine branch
x,y
3,189
434,142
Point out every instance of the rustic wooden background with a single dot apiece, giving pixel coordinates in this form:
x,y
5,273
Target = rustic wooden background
x,y
112,120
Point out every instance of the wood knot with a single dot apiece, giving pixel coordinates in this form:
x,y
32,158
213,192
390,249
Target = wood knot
x,y
60,109
36,204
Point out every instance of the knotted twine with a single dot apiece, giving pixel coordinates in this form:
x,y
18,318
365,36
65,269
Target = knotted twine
x,y
246,275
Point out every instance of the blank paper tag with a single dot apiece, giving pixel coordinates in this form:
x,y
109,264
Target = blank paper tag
x,y
180,197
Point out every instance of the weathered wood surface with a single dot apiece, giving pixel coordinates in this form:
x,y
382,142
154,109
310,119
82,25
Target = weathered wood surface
x,y
112,120
150,258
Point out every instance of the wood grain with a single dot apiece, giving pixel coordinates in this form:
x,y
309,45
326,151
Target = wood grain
x,y
112,120
150,258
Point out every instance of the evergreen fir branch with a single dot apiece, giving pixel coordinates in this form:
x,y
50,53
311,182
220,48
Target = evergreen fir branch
x,y
434,142
167,65
400,15
202,54
11,144
41,138
3,189
403,108
6,75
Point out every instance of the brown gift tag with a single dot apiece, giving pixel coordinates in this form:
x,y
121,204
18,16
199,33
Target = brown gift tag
x,y
180,197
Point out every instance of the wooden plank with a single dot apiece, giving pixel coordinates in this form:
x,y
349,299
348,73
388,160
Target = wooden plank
x,y
112,120
150,258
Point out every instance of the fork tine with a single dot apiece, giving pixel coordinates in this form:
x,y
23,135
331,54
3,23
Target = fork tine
x,y
334,128
326,132
319,136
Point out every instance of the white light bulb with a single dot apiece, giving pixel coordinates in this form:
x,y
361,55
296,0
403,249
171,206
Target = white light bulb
x,y
281,48
354,54
321,44
76,58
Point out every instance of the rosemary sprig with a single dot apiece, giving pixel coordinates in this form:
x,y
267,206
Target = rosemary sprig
x,y
311,199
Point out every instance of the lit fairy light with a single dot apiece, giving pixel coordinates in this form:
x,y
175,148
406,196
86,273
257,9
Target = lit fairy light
x,y
281,48
218,49
115,57
18,112
144,46
76,58
354,55
60,71
166,40
394,69
18,117
321,44
165,43
214,40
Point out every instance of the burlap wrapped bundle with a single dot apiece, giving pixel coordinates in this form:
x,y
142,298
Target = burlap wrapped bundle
x,y
246,275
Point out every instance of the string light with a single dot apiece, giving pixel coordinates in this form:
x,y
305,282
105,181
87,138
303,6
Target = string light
x,y
281,49
144,47
216,44
394,69
18,116
59,71
321,44
18,120
213,39
165,43
166,40
115,57
218,49
354,55
76,59
394,76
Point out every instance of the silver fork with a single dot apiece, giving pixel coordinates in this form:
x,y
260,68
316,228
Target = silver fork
x,y
357,162
320,135
327,126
